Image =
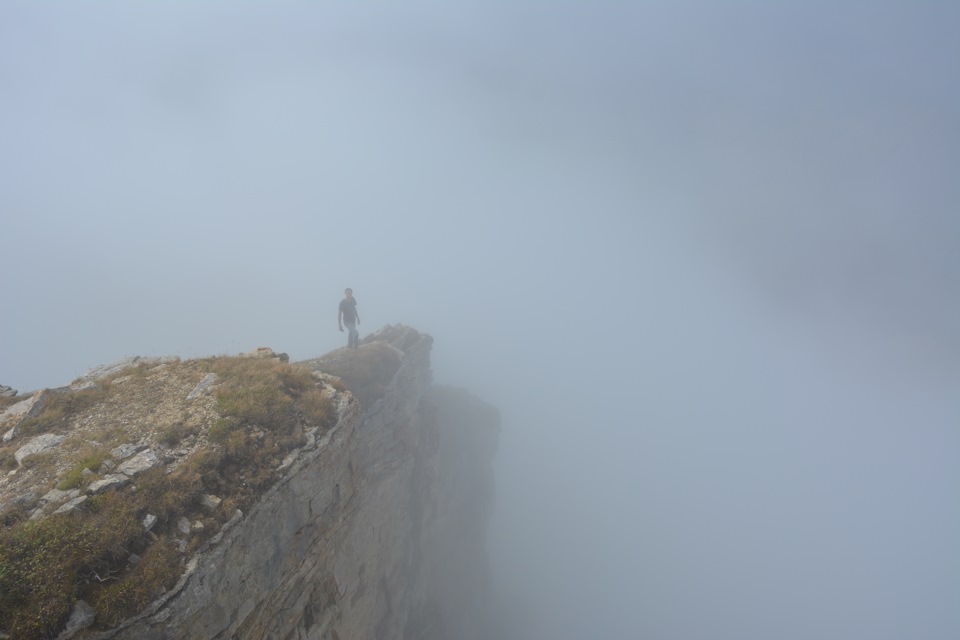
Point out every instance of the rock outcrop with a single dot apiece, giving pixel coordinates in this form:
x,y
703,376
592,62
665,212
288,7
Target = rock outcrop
x,y
15,415
374,531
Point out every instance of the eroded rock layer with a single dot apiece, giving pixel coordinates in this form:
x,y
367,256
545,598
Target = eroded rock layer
x,y
377,532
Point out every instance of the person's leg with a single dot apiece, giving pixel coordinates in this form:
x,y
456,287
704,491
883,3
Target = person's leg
x,y
355,335
351,329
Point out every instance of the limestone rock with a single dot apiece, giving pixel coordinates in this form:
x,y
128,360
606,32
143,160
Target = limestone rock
x,y
148,521
71,505
124,451
81,617
39,444
7,392
210,502
108,483
139,463
56,495
183,525
89,378
202,386
22,500
15,414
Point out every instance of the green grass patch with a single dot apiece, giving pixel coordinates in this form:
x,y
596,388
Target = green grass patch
x,y
75,478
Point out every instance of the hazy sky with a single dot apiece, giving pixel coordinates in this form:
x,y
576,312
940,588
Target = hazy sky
x,y
704,258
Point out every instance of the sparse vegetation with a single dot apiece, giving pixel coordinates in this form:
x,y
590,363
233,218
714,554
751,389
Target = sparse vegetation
x,y
174,434
59,408
264,406
74,477
9,401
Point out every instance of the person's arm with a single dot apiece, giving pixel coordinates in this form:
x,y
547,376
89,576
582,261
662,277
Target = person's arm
x,y
340,318
356,313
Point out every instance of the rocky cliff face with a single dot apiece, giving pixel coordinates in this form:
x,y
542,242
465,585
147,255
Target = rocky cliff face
x,y
374,530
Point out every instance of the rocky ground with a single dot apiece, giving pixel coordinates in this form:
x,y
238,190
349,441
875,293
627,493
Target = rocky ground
x,y
133,406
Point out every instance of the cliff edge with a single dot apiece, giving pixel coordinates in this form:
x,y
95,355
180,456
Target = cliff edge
x,y
360,514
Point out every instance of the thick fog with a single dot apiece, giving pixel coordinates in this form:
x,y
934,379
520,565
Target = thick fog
x,y
703,258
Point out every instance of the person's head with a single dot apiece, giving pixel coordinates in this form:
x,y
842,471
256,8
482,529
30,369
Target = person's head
x,y
348,292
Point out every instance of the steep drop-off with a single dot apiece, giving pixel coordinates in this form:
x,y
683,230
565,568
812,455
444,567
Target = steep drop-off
x,y
373,529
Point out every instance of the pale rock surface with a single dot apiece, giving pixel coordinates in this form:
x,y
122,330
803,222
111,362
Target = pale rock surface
x,y
39,444
7,392
71,505
109,482
139,463
210,502
89,378
124,451
81,617
56,495
202,386
15,414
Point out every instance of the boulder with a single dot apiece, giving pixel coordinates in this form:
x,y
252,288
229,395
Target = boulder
x,y
148,521
55,495
81,617
14,415
139,463
71,505
108,483
124,451
202,386
210,502
7,392
40,444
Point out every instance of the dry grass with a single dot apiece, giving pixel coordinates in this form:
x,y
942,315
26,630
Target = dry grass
x,y
8,402
60,408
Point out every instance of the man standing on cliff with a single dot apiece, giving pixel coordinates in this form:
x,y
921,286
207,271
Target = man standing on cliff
x,y
348,316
